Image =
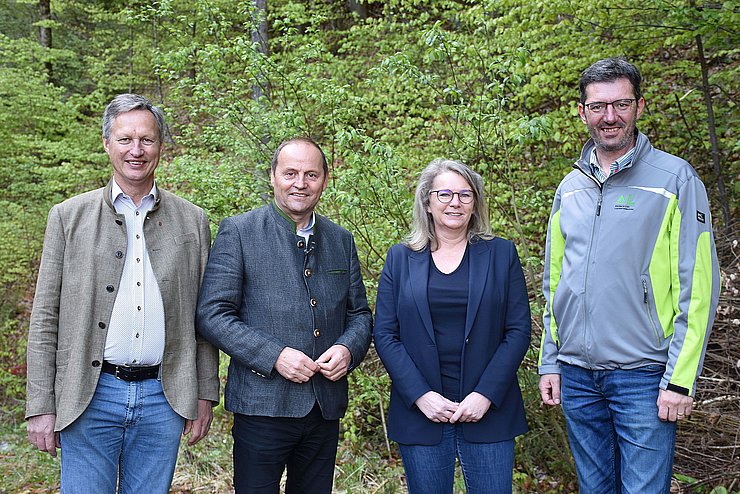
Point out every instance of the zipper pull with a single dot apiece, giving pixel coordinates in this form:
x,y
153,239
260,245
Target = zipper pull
x,y
598,205
644,291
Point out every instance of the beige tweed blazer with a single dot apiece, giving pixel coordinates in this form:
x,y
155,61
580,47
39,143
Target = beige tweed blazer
x,y
81,266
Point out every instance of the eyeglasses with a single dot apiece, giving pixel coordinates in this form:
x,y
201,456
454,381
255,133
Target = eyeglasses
x,y
445,196
619,105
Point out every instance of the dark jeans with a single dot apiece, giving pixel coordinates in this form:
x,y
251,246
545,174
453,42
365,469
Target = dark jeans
x,y
265,446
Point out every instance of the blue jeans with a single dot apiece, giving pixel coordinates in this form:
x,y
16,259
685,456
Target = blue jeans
x,y
486,467
128,435
618,442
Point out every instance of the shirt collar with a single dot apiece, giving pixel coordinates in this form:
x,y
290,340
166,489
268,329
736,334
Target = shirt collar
x,y
308,231
116,191
618,165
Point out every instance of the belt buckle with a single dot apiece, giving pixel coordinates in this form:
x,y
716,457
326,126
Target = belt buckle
x,y
120,375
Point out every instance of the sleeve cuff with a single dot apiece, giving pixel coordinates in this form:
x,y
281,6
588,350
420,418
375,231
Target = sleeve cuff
x,y
678,389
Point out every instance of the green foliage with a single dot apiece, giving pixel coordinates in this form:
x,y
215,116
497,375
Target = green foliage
x,y
491,83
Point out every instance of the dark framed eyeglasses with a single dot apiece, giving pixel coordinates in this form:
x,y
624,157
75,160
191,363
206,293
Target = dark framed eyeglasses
x,y
619,105
445,196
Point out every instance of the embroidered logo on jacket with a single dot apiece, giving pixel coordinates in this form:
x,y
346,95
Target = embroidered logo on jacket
x,y
625,202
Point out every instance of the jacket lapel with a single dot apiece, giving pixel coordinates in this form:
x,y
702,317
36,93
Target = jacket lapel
x,y
479,261
419,279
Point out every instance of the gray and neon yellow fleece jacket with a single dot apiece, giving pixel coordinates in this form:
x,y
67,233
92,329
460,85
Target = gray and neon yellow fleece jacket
x,y
631,274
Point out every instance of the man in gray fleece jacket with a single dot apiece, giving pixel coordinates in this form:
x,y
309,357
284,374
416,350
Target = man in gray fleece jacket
x,y
631,286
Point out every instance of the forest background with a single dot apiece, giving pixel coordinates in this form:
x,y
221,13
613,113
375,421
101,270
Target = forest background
x,y
385,86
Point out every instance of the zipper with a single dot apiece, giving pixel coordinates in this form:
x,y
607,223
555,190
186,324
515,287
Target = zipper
x,y
649,312
586,334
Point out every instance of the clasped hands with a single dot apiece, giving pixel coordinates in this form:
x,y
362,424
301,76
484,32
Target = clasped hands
x,y
437,408
296,366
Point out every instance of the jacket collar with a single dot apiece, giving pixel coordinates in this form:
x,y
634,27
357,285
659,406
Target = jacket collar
x,y
583,163
109,188
286,222
419,279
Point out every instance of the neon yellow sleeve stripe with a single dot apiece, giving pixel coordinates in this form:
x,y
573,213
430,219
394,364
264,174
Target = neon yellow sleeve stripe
x,y
557,250
687,364
662,263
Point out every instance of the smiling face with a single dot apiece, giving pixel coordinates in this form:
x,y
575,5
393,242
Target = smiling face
x,y
134,147
298,181
613,133
453,217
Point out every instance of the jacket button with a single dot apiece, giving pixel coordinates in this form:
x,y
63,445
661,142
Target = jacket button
x,y
110,288
119,254
101,325
316,332
96,363
314,302
307,272
301,244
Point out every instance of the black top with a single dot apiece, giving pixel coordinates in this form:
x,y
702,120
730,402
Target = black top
x,y
448,304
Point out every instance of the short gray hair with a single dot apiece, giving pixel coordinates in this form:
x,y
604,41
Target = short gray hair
x,y
422,232
124,103
608,70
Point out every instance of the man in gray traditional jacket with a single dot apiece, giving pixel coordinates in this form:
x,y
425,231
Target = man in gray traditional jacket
x,y
283,296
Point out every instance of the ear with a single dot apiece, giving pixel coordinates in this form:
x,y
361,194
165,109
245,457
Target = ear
x,y
272,178
105,143
640,106
582,113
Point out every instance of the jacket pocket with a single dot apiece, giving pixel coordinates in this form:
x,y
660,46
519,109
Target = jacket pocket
x,y
646,299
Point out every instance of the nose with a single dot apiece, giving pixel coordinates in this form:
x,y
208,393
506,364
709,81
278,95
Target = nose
x,y
136,148
610,114
300,181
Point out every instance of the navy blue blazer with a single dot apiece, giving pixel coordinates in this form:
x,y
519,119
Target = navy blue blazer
x,y
497,332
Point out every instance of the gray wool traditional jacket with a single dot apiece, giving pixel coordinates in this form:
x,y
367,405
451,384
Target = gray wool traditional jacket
x,y
265,289
81,267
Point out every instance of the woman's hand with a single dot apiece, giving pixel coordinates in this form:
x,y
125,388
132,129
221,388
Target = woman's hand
x,y
436,407
471,409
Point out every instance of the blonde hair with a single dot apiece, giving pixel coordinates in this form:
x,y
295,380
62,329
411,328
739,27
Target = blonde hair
x,y
422,231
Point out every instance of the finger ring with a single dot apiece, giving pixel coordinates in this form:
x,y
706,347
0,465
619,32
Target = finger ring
x,y
680,414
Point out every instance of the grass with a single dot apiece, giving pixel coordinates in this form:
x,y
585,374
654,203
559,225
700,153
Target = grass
x,y
205,467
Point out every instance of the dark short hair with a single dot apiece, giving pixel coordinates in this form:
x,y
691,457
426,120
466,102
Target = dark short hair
x,y
124,103
293,140
610,69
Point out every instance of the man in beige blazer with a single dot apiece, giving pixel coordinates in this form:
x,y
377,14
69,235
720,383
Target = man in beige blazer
x,y
116,372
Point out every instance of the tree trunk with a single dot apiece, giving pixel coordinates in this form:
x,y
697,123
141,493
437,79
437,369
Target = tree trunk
x,y
45,33
260,38
358,7
712,127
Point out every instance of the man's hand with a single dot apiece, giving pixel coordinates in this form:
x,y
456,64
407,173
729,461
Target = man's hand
x,y
41,433
436,407
550,389
295,365
199,427
471,409
673,406
334,362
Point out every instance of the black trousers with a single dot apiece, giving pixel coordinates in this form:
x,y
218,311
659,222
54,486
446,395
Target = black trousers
x,y
265,446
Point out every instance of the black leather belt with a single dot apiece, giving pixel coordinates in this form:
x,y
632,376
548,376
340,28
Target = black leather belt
x,y
127,373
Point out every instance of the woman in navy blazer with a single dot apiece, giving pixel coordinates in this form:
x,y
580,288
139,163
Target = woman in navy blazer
x,y
452,325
